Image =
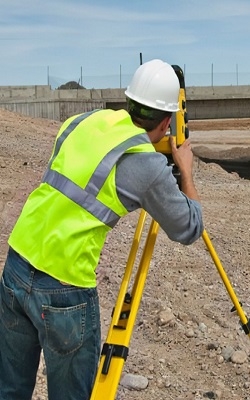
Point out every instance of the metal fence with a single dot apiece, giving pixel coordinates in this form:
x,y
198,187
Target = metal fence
x,y
52,75
121,80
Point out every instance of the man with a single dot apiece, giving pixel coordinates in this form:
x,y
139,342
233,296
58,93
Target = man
x,y
103,166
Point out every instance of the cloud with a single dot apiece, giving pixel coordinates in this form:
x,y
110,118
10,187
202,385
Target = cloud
x,y
101,36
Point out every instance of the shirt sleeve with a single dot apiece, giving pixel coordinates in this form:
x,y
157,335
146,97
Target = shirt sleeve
x,y
145,180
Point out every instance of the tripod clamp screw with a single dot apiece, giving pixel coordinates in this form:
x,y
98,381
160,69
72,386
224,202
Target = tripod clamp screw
x,y
246,327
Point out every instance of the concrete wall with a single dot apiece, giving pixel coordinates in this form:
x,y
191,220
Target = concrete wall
x,y
220,108
24,92
43,102
56,110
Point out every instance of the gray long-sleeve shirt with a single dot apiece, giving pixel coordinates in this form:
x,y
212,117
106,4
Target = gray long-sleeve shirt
x,y
145,180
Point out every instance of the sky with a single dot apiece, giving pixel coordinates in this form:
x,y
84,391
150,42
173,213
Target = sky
x,y
98,43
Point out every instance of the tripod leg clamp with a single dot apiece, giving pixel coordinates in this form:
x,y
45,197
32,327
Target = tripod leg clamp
x,y
246,327
112,350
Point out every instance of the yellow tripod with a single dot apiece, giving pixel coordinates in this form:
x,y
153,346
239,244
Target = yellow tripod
x,y
115,349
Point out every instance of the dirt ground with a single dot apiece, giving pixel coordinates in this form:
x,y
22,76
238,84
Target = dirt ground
x,y
186,343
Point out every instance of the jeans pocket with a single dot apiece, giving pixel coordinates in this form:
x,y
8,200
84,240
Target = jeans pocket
x,y
64,327
7,300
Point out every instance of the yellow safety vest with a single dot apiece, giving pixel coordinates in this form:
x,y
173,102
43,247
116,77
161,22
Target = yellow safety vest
x,y
64,222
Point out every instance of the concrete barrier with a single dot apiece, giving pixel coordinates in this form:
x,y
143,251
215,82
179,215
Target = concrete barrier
x,y
41,101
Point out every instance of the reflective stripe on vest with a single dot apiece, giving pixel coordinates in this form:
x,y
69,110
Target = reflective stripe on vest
x,y
86,198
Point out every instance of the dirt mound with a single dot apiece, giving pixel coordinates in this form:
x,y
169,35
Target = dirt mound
x,y
220,124
71,85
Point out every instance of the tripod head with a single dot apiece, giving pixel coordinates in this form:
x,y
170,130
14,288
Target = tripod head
x,y
179,120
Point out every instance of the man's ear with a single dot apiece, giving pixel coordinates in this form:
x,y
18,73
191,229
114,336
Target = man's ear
x,y
165,123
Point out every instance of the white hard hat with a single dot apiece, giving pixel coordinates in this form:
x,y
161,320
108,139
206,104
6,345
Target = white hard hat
x,y
156,85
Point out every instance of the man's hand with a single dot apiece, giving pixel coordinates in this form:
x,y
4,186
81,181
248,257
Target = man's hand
x,y
182,156
183,159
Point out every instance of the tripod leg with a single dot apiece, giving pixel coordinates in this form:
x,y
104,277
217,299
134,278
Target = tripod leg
x,y
115,350
237,305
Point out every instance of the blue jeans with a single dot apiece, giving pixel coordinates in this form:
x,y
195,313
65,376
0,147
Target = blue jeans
x,y
38,312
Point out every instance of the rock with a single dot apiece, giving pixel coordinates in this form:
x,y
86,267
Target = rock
x,y
239,357
220,359
227,353
165,317
202,327
212,346
210,395
189,333
135,382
